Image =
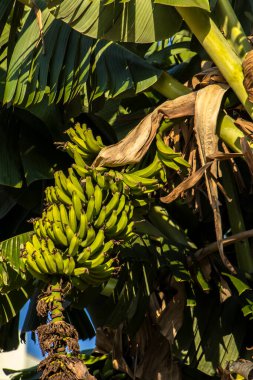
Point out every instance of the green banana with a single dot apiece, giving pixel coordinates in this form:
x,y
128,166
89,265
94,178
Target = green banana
x,y
77,204
66,266
80,170
105,268
69,233
84,255
83,226
64,215
36,242
112,204
49,260
98,195
133,180
74,245
90,208
80,129
121,204
79,161
168,162
111,222
165,149
62,196
81,144
75,180
121,225
150,170
95,262
72,148
58,259
35,273
80,271
101,179
31,263
49,244
73,218
48,196
49,229
56,214
60,180
72,188
72,266
60,237
40,261
98,242
91,142
89,187
36,227
91,234
101,218
100,141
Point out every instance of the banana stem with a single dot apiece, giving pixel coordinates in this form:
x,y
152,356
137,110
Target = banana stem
x,y
170,87
231,27
229,133
57,308
218,49
242,248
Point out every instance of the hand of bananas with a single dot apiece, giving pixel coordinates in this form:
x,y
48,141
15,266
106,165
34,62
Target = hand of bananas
x,y
87,212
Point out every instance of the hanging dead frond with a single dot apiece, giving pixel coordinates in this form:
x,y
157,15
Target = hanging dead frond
x,y
207,108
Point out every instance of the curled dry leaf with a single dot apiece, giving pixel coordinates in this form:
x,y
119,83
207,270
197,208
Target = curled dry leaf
x,y
247,67
133,147
209,75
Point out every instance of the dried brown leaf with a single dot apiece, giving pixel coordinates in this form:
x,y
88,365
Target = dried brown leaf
x,y
245,125
247,152
247,67
118,361
207,107
221,156
133,147
186,184
208,76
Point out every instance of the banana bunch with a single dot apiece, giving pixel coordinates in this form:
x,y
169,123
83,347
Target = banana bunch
x,y
89,211
82,142
84,147
80,228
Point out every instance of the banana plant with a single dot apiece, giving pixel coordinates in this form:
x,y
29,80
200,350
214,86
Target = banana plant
x,y
67,60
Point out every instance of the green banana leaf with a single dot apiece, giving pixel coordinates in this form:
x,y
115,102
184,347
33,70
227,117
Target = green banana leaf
x,y
72,64
128,21
10,257
11,303
211,335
